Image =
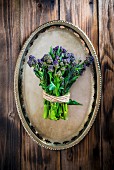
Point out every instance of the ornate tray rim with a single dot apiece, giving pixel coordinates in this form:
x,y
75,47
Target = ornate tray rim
x,y
17,100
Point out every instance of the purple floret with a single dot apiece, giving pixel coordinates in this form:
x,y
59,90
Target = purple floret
x,y
55,62
72,54
64,51
50,68
57,57
68,60
31,57
68,55
89,60
39,61
29,62
32,61
56,48
42,59
72,59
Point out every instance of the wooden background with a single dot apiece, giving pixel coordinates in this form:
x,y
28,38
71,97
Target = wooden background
x,y
18,18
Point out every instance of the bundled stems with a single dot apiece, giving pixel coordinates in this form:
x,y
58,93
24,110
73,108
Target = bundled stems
x,y
57,71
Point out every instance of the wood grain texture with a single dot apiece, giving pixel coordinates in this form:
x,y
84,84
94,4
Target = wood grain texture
x,y
33,14
106,50
9,121
84,14
18,19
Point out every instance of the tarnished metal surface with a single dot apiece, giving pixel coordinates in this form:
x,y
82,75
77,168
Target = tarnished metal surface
x,y
60,134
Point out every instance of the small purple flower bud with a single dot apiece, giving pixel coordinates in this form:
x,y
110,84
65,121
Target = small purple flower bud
x,y
68,55
55,62
32,61
91,59
42,59
31,57
39,61
72,59
29,62
64,51
68,60
50,68
56,48
57,57
45,57
72,54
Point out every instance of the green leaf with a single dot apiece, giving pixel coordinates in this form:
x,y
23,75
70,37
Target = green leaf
x,y
73,102
58,51
61,56
61,88
51,50
43,86
40,73
52,86
78,68
36,73
74,79
66,79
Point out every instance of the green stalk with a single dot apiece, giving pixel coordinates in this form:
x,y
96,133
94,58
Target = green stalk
x,y
53,111
65,110
61,111
46,109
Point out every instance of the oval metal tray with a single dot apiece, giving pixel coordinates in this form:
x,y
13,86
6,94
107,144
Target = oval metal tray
x,y
60,134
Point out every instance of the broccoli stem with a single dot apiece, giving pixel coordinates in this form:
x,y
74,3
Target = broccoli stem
x,y
65,110
46,109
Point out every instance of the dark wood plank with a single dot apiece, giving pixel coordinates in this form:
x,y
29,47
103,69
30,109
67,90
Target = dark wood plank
x,y
9,121
86,155
33,14
106,48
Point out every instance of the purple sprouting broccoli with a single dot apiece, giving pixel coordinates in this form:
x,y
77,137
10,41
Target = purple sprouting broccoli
x,y
57,71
